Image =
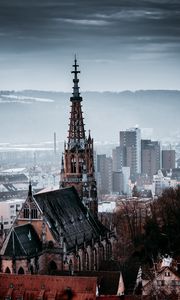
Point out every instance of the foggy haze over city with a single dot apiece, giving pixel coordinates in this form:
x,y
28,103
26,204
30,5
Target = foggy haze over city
x,y
33,116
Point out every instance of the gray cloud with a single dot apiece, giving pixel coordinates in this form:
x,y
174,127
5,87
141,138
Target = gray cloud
x,y
108,30
41,16
86,22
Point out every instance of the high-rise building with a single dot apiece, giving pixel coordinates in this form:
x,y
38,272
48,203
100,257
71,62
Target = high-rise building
x,y
150,157
117,159
168,159
130,142
104,174
77,162
117,182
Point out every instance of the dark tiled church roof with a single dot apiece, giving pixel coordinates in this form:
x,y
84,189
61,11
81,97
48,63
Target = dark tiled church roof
x,y
65,213
23,241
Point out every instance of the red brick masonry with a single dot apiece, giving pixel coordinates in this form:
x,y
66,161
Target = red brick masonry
x,y
42,287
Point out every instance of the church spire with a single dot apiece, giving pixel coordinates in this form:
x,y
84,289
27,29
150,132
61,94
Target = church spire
x,y
76,136
76,94
78,166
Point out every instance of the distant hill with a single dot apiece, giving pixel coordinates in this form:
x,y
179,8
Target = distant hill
x,y
31,116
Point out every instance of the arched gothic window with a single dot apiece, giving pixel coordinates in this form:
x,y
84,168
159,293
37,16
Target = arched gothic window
x,y
7,270
87,261
95,259
81,165
21,270
109,250
101,252
73,165
78,263
71,267
26,213
33,213
52,267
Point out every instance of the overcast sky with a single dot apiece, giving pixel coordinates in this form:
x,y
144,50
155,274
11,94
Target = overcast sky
x,y
120,44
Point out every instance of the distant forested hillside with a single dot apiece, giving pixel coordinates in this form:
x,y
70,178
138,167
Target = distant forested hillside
x,y
32,116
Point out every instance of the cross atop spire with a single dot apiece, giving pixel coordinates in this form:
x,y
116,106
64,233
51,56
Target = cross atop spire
x,y
76,94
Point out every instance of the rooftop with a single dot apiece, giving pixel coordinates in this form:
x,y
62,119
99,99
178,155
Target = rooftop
x,y
66,214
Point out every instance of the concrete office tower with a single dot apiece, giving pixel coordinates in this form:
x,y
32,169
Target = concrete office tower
x,y
130,142
117,182
117,159
150,157
168,159
120,181
104,174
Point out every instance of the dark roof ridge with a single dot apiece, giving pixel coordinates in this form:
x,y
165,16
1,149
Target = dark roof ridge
x,y
52,191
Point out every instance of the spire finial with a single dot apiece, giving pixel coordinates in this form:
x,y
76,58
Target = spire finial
x,y
30,189
76,94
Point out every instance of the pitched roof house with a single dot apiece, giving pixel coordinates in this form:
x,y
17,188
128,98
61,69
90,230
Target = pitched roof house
x,y
161,280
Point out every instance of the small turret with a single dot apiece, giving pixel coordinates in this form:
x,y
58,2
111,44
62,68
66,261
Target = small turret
x,y
89,136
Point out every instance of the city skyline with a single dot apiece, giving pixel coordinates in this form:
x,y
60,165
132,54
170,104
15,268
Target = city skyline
x,y
121,45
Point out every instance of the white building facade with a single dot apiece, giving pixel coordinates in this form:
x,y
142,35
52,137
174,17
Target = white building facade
x,y
9,210
162,182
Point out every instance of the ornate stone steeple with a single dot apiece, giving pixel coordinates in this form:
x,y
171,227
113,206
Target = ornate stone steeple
x,y
76,136
78,162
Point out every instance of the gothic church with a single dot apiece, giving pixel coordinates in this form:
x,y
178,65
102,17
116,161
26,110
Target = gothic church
x,y
59,230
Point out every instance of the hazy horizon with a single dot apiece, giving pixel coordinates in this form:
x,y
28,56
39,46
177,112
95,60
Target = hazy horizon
x,y
89,91
33,116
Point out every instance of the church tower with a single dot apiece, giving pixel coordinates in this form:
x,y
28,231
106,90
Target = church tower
x,y
77,162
